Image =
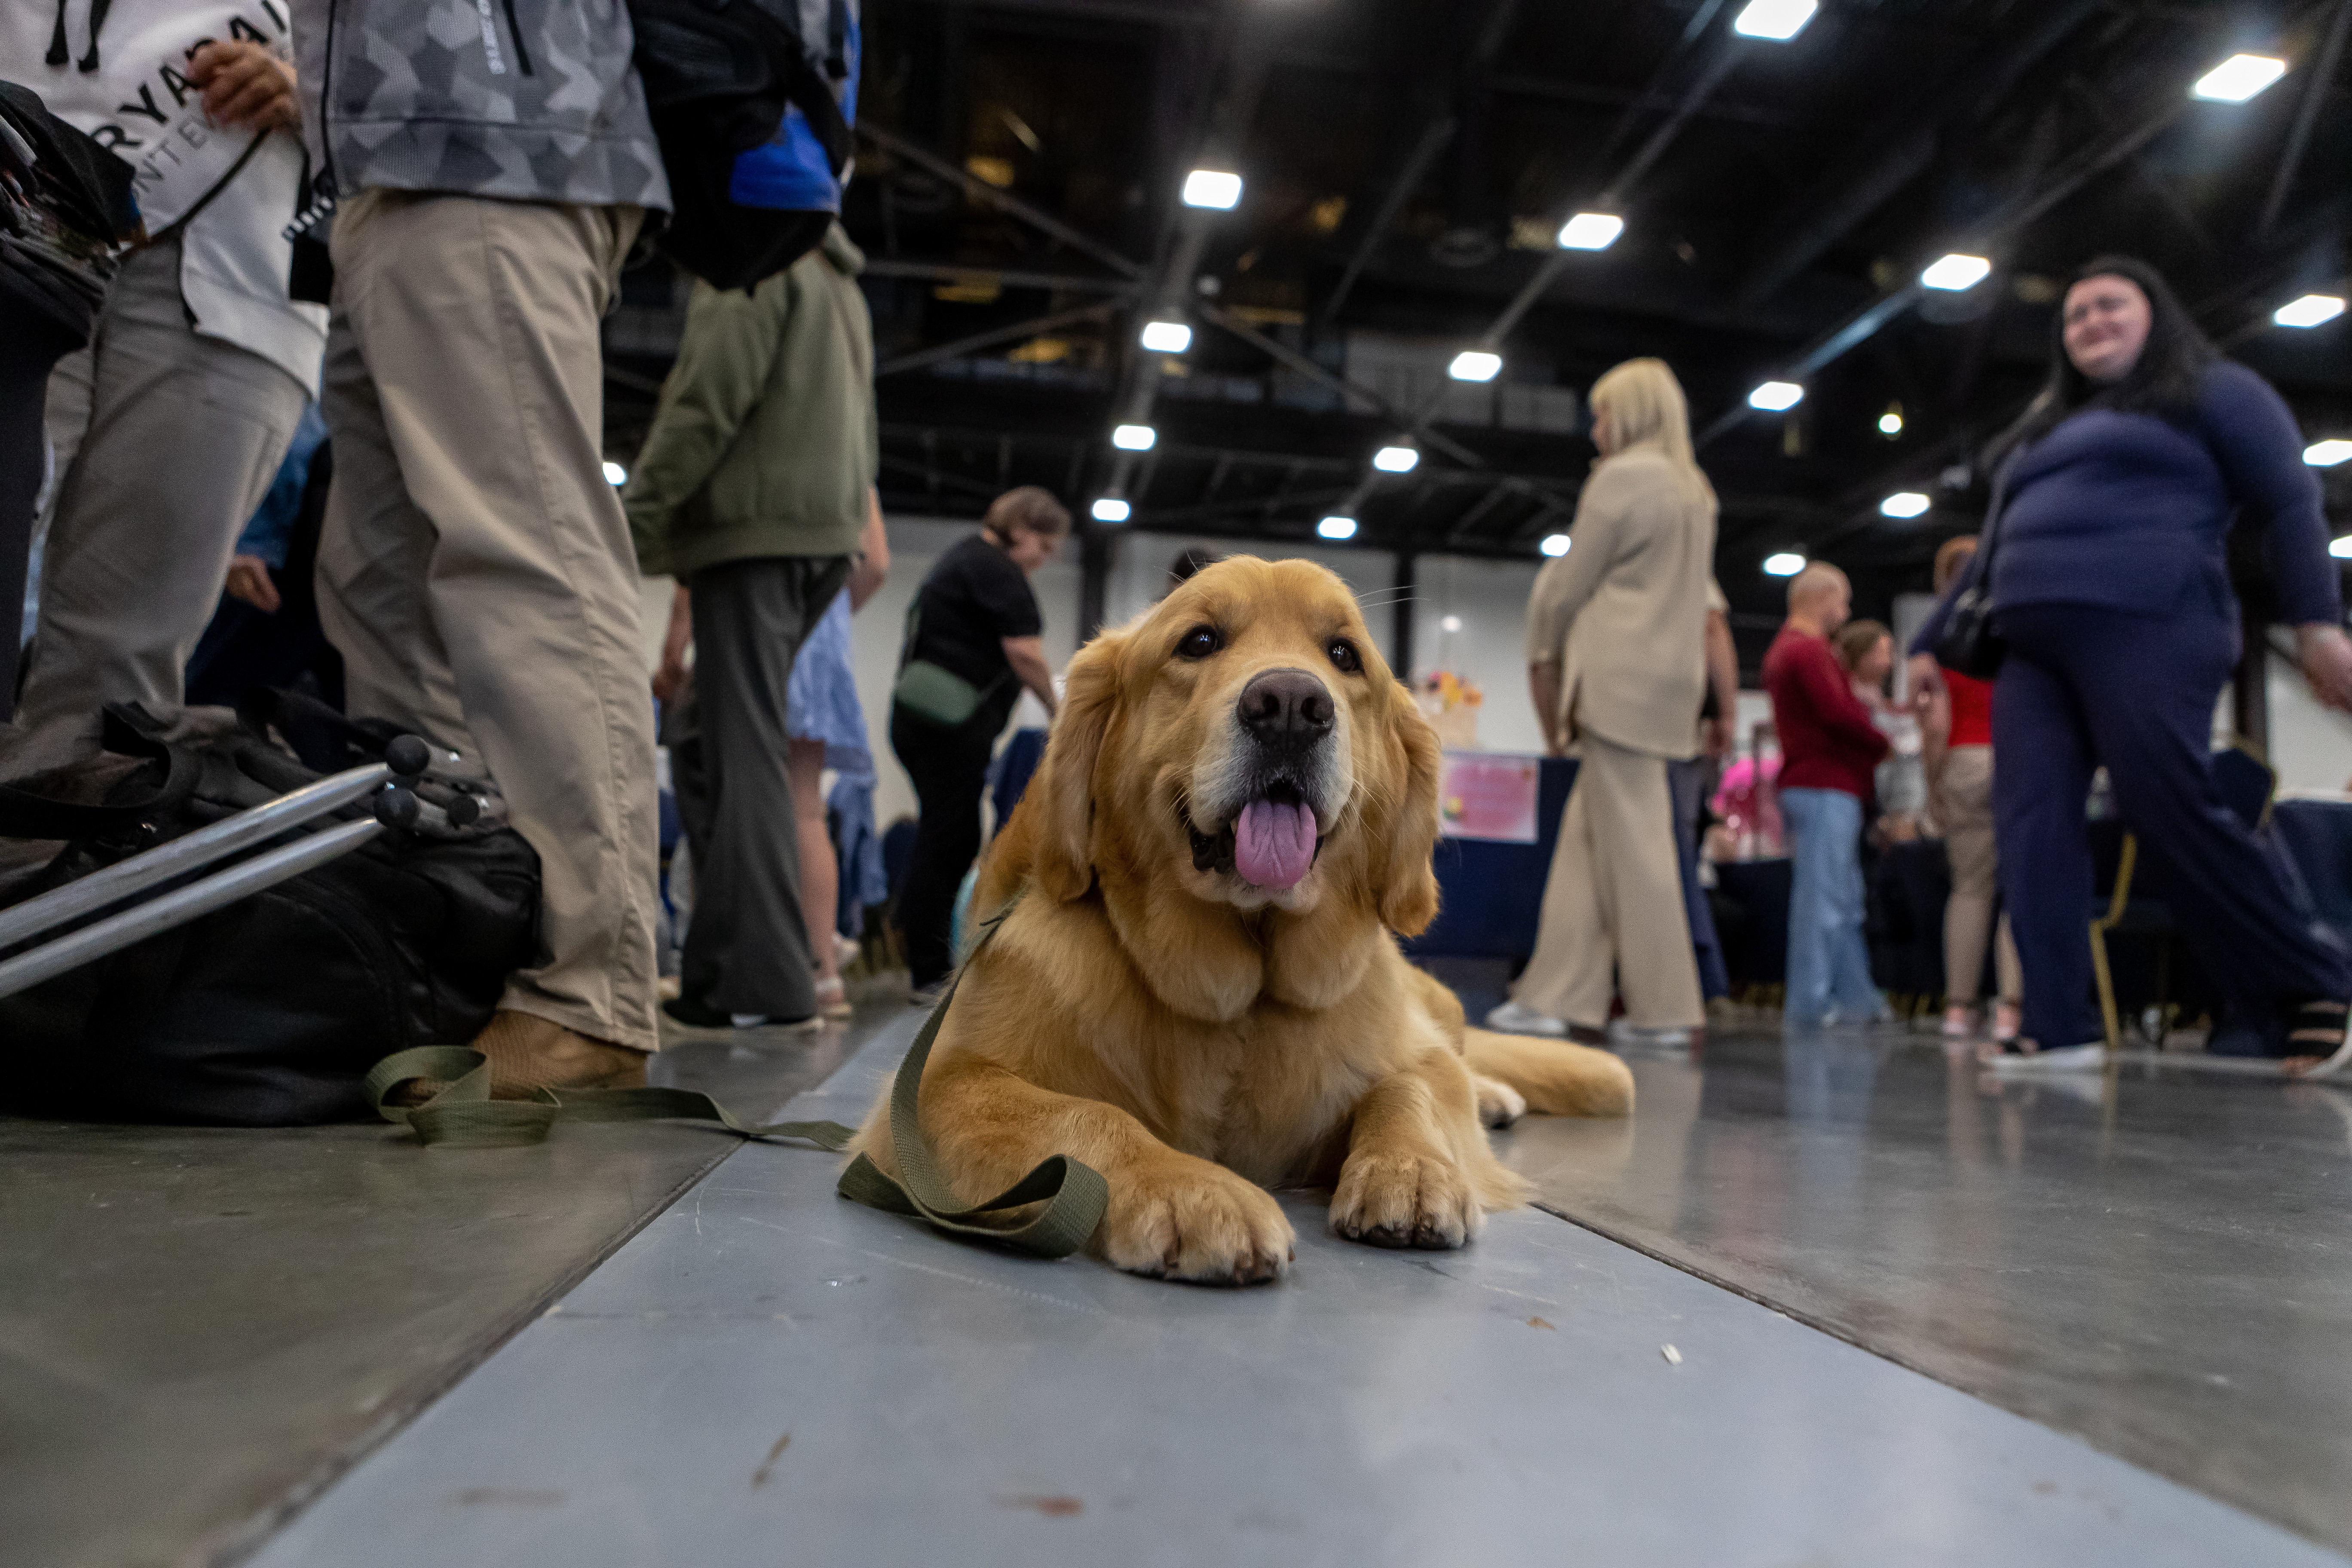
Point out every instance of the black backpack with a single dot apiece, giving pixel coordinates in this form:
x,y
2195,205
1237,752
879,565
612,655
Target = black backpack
x,y
270,1011
752,102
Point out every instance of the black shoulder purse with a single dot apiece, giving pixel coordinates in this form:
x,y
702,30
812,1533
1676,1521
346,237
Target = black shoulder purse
x,y
1971,645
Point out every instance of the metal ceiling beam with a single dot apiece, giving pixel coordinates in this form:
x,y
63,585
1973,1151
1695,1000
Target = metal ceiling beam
x,y
1291,359
1655,96
2001,225
1906,146
963,346
1612,197
1398,189
1003,278
2315,93
1242,54
1771,118
1439,127
981,191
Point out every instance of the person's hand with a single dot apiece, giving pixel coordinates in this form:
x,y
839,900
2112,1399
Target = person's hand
x,y
668,678
249,579
246,87
1715,737
2325,655
1927,677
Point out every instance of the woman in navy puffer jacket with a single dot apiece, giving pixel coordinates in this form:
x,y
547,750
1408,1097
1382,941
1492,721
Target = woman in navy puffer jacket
x,y
2110,588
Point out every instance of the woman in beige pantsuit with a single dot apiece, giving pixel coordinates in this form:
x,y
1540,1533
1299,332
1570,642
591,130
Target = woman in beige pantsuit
x,y
1616,634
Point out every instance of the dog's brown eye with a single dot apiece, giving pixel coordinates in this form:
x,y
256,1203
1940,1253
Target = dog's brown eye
x,y
1344,655
1199,643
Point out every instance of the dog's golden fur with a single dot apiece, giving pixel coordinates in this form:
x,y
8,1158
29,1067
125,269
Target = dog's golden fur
x,y
1193,1037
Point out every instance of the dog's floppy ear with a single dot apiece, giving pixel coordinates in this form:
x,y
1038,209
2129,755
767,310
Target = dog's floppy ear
x,y
1064,788
1407,882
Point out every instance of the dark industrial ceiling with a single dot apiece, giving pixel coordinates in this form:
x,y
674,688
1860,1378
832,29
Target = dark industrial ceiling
x,y
1406,165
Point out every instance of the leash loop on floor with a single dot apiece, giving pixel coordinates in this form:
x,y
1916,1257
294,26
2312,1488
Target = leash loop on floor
x,y
459,1112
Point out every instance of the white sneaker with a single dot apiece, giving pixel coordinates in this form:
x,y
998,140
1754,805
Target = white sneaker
x,y
1510,1018
1622,1032
2092,1058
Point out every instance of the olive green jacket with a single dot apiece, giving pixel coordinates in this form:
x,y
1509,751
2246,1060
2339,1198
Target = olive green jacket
x,y
764,442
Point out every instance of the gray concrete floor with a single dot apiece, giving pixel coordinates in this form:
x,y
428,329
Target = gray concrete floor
x,y
331,1347
2157,1260
201,1328
766,1373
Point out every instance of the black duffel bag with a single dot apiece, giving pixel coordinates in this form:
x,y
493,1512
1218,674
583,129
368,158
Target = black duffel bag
x,y
268,1012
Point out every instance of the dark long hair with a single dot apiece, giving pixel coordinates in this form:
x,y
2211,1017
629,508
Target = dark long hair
x,y
2163,380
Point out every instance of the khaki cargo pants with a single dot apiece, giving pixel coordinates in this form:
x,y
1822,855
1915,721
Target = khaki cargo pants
x,y
476,570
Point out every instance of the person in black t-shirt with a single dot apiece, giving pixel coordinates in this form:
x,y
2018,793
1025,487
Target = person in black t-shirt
x,y
974,616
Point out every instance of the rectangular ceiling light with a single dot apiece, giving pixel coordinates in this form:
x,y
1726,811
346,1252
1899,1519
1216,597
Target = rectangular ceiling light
x,y
2238,78
1775,395
1134,437
2327,454
1475,365
1778,20
1337,528
1167,337
2309,312
1903,503
1554,544
2341,548
1956,272
1787,563
1396,459
615,475
1213,189
1110,509
1590,231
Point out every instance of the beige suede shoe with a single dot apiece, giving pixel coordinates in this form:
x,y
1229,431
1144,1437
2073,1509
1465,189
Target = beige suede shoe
x,y
529,1052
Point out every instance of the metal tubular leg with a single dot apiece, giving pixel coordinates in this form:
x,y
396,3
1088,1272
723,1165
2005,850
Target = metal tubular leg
x,y
117,932
96,891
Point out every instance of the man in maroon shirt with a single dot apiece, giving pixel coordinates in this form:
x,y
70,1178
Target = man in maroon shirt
x,y
1829,748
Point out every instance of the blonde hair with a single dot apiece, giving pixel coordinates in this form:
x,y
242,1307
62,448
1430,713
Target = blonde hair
x,y
1646,406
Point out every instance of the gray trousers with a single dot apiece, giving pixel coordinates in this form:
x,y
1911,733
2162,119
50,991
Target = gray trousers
x,y
165,443
747,947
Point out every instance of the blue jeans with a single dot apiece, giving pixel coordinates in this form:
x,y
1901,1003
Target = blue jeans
x,y
1683,779
1829,966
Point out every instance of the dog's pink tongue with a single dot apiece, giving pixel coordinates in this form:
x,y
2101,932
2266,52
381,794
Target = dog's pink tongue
x,y
1274,845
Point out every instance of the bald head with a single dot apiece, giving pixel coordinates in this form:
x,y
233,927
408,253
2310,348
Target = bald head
x,y
1820,598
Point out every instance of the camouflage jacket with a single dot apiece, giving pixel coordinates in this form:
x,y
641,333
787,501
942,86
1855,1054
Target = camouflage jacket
x,y
532,100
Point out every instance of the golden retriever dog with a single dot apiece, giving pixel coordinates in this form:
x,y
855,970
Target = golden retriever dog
x,y
1198,992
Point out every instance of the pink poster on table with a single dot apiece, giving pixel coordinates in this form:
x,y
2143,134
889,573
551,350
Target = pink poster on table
x,y
1489,796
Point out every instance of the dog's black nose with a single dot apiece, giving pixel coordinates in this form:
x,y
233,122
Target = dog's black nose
x,y
1286,709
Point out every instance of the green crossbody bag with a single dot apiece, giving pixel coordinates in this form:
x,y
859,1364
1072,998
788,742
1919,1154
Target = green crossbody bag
x,y
933,692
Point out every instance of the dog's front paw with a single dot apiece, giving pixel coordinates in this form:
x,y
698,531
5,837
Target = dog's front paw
x,y
1404,1200
1191,1220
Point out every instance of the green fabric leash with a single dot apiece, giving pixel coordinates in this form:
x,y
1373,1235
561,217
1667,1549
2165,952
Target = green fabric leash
x,y
462,1114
